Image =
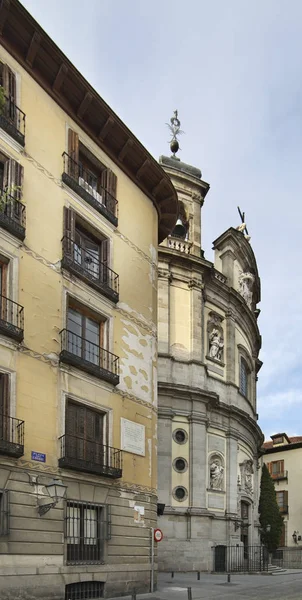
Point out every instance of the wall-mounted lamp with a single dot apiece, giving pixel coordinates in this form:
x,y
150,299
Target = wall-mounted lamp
x,y
242,523
55,491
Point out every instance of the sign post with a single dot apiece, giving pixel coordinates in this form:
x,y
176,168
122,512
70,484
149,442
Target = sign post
x,y
156,536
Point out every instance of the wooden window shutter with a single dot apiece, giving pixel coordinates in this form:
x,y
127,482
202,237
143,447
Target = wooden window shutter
x,y
69,229
9,82
285,498
269,466
4,512
13,178
109,184
73,153
104,258
281,466
4,393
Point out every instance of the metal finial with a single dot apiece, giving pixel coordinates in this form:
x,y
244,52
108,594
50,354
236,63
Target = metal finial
x,y
175,130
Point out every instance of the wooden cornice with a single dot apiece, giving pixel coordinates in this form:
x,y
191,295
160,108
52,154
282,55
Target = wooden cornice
x,y
51,68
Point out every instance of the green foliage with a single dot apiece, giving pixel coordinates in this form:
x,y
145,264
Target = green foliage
x,y
2,99
9,195
269,513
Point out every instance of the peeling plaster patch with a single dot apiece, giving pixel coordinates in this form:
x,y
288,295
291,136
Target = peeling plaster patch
x,y
137,362
149,442
128,382
123,306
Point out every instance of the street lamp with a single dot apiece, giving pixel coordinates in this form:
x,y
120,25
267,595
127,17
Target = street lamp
x,y
55,491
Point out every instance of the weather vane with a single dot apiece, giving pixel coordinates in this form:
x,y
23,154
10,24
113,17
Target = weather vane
x,y
243,227
175,130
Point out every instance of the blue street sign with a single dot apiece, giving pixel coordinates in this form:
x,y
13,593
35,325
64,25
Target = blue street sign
x,y
38,456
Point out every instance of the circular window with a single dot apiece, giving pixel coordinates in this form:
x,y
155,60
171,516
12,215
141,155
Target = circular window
x,y
180,465
180,493
180,436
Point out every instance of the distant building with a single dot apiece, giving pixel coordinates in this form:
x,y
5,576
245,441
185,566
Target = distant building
x,y
83,206
208,345
283,458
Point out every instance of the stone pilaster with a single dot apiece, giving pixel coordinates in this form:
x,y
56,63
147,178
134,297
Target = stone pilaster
x,y
196,318
227,258
164,279
165,458
230,354
198,461
231,475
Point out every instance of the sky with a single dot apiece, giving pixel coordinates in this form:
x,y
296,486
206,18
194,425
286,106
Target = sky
x,y
233,70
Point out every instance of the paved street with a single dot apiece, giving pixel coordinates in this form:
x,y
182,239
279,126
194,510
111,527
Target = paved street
x,y
242,587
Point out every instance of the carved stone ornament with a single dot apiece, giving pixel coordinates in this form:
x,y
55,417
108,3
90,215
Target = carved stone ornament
x,y
215,337
216,472
247,471
246,282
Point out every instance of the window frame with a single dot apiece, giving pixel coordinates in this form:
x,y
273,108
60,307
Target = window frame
x,y
78,553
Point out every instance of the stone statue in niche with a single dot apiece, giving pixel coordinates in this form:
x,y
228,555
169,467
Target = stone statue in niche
x,y
247,471
246,282
216,344
215,336
216,474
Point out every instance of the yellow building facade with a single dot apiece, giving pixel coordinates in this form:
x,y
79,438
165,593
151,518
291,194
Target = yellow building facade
x,y
83,208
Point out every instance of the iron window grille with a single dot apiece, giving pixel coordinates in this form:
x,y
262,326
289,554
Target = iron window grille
x,y
84,589
4,512
87,527
12,120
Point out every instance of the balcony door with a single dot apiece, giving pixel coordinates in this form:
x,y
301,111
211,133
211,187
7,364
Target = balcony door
x,y
84,336
4,408
84,433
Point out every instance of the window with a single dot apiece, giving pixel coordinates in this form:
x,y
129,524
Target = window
x,y
86,336
180,436
244,511
86,436
180,493
87,528
4,512
282,501
86,254
12,119
84,589
12,211
180,465
94,182
244,377
276,469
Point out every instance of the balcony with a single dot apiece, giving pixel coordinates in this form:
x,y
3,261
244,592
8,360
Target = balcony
x,y
12,120
83,354
176,243
12,215
283,510
11,436
89,456
279,476
86,266
11,319
85,184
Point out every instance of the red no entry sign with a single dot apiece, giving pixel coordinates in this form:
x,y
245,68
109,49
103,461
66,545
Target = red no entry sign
x,y
158,535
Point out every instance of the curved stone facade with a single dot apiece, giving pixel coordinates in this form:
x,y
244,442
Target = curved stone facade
x,y
208,344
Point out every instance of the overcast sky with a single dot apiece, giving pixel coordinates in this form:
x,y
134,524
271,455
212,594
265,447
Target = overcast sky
x,y
234,72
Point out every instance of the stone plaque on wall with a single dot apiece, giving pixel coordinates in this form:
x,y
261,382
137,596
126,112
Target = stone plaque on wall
x,y
215,501
132,437
216,443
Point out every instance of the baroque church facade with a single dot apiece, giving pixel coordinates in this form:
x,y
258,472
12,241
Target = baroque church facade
x,y
208,346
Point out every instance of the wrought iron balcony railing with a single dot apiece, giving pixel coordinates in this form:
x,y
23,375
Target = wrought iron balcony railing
x,y
11,436
11,319
280,475
89,455
86,185
90,269
283,509
80,352
12,215
12,120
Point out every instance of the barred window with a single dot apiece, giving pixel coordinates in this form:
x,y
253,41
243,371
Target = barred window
x,y
83,590
4,512
244,377
87,527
